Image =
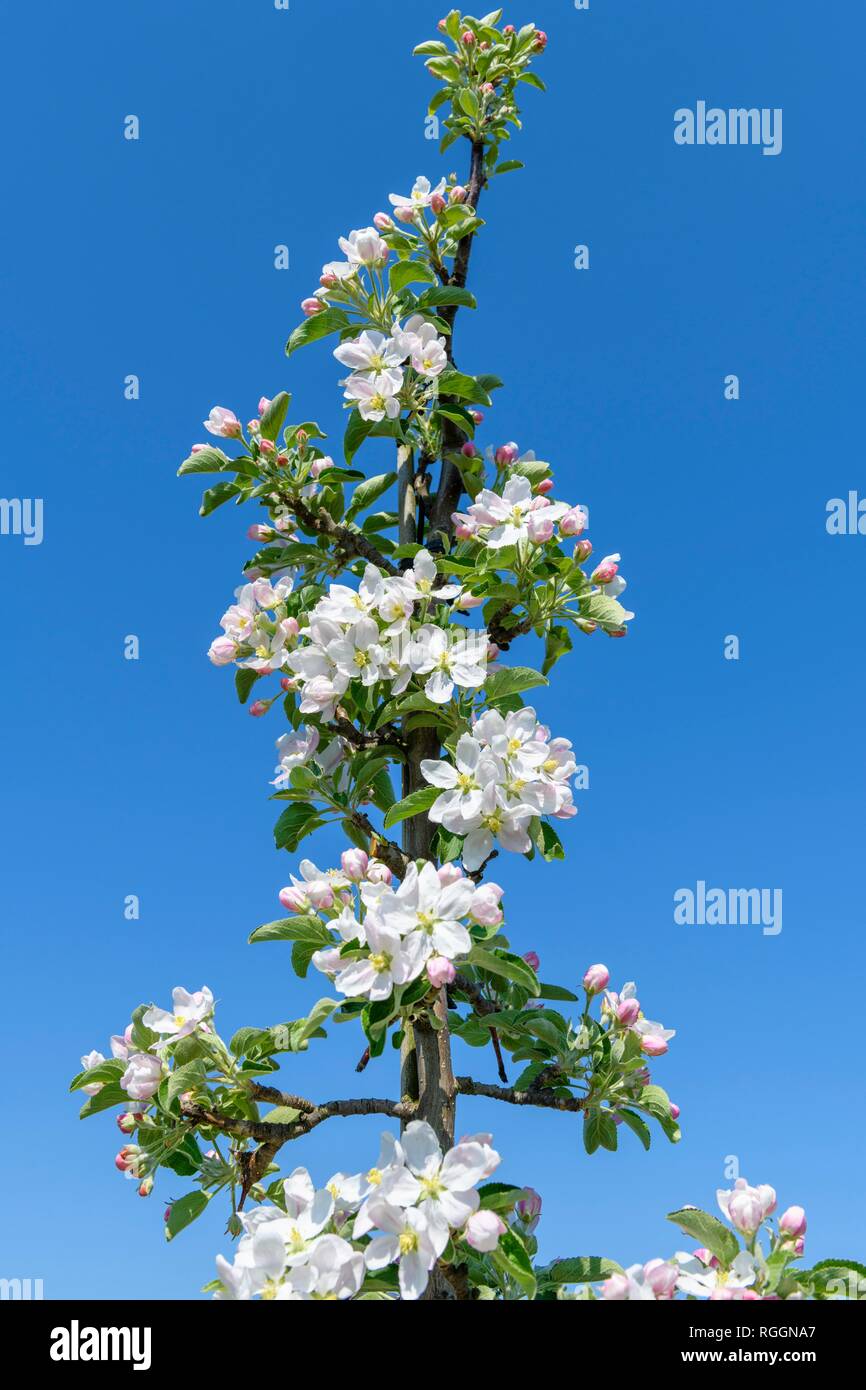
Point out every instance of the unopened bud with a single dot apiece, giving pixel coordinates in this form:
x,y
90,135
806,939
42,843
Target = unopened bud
x,y
311,306
259,707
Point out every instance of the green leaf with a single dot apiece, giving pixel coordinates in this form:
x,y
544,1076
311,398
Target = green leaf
x,y
603,610
108,1071
306,1027
510,967
245,679
512,681
357,431
468,101
708,1231
500,1196
405,273
183,1212
319,326
507,165
207,460
293,824
599,1130
557,992
412,805
431,47
111,1094
638,1125
274,417
511,1258
215,497
463,386
447,294
580,1269
369,491
192,1076
293,929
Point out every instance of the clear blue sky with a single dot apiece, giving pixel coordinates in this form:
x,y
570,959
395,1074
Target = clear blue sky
x,y
261,127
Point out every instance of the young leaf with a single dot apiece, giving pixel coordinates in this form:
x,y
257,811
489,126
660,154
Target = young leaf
x,y
512,681
412,805
183,1212
319,326
274,417
708,1231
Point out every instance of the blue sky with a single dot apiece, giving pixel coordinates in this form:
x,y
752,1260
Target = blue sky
x,y
155,257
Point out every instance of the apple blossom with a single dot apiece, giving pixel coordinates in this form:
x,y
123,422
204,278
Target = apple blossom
x,y
223,423
596,979
187,1013
143,1075
483,1230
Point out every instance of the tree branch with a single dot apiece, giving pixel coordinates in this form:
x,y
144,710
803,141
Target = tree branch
x,y
349,544
274,1135
545,1100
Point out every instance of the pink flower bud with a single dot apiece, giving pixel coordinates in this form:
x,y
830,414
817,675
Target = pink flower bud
x,y
264,404
675,1111
382,222
492,651
469,450
477,416
769,1200
267,446
532,958
289,628
606,570
405,213
529,1209
223,422
508,30
628,1011
458,194
582,551
293,900
540,41
586,624
793,1222
544,487
465,601
438,203
328,280
572,522
311,306
538,528
442,26
506,454
121,1163
487,87
448,874
354,864
377,872
662,1276
745,1210
259,533
483,1230
198,448
222,651
146,1187
596,979
440,971
127,1122
287,684
320,466
463,531
468,38
653,1044
259,707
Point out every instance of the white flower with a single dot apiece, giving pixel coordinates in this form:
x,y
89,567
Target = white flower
x,y
343,604
358,656
422,907
334,1270
744,1206
299,1230
630,1287
703,1281
186,1013
448,663
507,514
461,798
498,821
238,620
142,1076
409,1240
422,193
294,750
376,395
429,354
364,247
419,581
389,1180
88,1062
372,352
338,270
447,1197
390,962
269,653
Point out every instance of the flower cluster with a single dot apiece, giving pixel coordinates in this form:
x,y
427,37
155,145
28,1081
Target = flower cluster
x,y
377,379
724,1271
505,773
625,1013
403,1212
391,936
